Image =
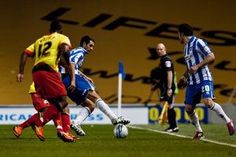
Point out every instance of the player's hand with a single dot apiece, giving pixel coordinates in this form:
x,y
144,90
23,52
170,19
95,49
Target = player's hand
x,y
71,88
19,77
90,80
169,92
182,82
193,69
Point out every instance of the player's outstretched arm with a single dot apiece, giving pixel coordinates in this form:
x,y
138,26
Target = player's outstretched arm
x,y
23,59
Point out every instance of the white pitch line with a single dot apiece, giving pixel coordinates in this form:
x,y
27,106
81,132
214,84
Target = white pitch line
x,y
183,136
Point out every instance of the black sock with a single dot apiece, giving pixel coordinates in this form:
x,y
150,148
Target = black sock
x,y
172,118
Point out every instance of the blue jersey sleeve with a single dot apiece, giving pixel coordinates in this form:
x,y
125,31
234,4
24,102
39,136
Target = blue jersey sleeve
x,y
203,47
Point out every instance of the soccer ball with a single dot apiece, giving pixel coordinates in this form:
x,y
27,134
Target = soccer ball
x,y
120,131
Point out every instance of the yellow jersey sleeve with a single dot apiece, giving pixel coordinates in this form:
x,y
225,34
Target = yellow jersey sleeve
x,y
30,50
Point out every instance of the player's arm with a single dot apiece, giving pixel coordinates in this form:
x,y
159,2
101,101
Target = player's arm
x,y
23,59
72,83
208,59
205,51
85,76
183,80
65,63
63,49
169,82
168,70
71,68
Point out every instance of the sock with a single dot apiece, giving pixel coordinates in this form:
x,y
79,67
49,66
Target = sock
x,y
218,109
57,122
41,121
105,109
195,120
30,121
172,118
83,114
65,119
49,114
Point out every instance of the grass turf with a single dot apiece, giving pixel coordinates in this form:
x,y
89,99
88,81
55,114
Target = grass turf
x,y
100,142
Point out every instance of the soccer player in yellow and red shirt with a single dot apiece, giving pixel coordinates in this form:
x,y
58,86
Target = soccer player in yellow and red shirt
x,y
47,51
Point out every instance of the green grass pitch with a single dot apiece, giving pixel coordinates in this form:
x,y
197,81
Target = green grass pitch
x,y
100,142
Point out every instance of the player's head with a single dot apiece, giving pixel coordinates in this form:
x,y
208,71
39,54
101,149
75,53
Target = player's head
x,y
184,30
55,26
87,43
161,49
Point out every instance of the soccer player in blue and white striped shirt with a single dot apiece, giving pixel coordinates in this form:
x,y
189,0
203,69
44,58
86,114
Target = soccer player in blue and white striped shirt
x,y
81,89
197,56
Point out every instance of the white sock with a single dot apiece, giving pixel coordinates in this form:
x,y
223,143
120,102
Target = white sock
x,y
220,112
195,120
83,114
105,109
59,127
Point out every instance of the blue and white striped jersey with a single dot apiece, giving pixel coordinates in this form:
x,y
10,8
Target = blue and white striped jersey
x,y
194,52
76,56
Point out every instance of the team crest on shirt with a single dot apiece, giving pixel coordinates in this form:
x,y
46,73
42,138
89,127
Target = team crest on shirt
x,y
168,64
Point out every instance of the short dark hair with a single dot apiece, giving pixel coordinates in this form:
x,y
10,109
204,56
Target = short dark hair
x,y
186,29
85,39
55,26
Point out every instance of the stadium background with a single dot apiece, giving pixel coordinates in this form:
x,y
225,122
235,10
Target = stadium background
x,y
145,23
